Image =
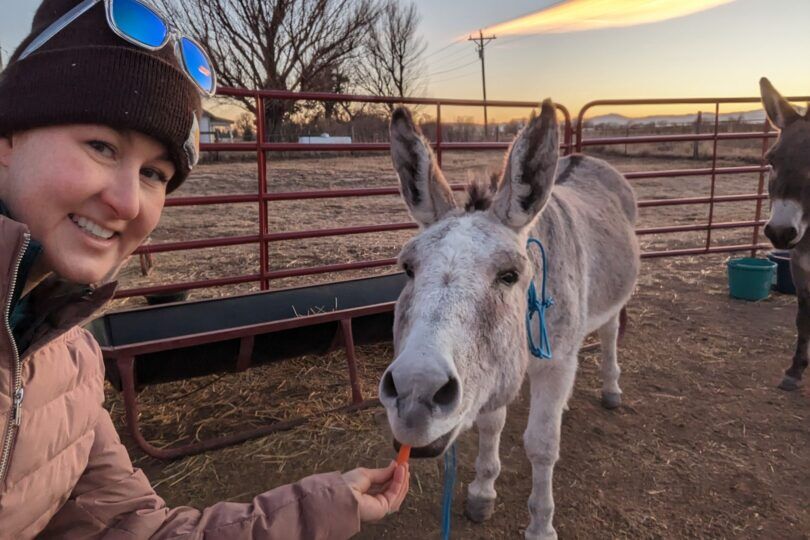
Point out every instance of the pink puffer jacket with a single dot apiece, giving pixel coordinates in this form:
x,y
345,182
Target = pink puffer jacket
x,y
63,470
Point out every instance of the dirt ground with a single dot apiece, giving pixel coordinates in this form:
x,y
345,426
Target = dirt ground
x,y
704,445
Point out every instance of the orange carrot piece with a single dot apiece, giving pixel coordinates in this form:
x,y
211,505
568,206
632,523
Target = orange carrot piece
x,y
404,454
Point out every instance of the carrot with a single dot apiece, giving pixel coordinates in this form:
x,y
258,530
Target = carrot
x,y
404,453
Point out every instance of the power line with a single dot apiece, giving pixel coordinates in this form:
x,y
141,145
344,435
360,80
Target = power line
x,y
452,69
452,57
513,39
442,49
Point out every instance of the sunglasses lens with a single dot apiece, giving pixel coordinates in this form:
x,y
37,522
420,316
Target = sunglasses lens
x,y
197,65
139,22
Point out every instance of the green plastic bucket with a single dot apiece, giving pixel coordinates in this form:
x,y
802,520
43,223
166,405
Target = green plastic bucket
x,y
750,279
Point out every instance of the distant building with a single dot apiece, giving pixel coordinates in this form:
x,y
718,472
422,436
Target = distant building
x,y
215,129
324,138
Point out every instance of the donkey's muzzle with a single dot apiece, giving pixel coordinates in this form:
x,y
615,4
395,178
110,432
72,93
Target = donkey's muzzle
x,y
781,237
417,396
422,394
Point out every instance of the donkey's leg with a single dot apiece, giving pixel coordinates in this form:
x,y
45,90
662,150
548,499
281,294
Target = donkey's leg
x,y
608,336
793,375
551,385
481,492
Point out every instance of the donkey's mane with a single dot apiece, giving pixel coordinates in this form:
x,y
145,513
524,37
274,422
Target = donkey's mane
x,y
480,193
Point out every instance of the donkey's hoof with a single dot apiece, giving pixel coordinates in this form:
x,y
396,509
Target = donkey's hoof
x,y
479,510
790,383
611,400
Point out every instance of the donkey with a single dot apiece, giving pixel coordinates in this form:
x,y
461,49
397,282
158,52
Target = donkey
x,y
789,191
460,331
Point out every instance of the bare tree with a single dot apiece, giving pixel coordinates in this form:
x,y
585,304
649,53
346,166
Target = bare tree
x,y
245,126
392,62
295,45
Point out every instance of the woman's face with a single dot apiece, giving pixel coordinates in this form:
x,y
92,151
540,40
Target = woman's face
x,y
89,194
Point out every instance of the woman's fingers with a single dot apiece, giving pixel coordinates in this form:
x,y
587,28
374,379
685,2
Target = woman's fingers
x,y
398,488
403,487
380,476
379,491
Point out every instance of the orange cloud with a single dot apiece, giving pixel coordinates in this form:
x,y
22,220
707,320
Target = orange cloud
x,y
579,15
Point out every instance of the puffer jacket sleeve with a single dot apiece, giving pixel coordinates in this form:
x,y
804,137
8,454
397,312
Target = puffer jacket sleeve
x,y
113,500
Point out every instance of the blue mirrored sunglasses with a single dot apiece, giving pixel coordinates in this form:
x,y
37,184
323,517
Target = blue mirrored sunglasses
x,y
141,25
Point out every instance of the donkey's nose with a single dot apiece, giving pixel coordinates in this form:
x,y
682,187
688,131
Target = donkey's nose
x,y
781,237
415,394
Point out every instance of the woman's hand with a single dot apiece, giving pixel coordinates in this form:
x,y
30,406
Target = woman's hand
x,y
379,492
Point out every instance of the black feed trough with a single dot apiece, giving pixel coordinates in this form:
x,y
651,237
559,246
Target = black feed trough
x,y
178,341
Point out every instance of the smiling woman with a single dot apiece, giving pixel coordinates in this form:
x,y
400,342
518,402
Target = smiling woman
x,y
97,125
92,202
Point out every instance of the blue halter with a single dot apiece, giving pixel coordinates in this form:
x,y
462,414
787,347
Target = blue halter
x,y
538,306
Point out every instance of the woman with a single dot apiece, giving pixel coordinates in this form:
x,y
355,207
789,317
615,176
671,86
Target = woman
x,y
98,122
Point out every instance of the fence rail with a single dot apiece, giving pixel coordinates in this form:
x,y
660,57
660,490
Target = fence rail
x,y
574,139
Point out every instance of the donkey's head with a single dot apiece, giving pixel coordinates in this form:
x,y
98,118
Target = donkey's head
x,y
459,330
789,157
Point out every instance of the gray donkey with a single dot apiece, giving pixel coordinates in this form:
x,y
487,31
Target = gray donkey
x,y
789,190
460,331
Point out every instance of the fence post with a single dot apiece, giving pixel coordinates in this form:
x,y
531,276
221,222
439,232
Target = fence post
x,y
261,157
696,144
714,175
760,188
626,136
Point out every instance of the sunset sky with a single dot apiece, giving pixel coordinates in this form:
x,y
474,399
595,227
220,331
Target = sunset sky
x,y
721,51
660,48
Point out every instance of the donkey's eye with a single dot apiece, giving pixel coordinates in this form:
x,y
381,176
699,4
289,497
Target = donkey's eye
x,y
408,270
509,277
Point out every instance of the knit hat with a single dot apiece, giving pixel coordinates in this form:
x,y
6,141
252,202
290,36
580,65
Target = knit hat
x,y
86,74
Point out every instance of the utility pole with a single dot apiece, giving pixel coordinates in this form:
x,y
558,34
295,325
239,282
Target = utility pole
x,y
480,42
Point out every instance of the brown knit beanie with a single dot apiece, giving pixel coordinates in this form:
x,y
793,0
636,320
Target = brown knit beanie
x,y
86,74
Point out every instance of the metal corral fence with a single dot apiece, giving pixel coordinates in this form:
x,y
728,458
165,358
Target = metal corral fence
x,y
573,140
715,136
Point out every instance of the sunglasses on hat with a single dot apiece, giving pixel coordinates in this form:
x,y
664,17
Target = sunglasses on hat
x,y
141,25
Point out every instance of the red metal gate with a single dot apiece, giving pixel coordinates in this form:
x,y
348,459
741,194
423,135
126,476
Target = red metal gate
x,y
765,134
262,237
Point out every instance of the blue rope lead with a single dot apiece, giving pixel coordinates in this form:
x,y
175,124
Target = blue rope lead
x,y
539,307
447,496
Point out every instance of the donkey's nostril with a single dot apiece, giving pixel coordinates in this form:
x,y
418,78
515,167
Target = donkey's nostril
x,y
447,394
389,389
781,236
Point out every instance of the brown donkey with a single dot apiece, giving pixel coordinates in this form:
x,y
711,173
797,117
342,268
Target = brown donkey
x,y
789,190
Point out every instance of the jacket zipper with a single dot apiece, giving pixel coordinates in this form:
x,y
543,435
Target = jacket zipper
x,y
15,415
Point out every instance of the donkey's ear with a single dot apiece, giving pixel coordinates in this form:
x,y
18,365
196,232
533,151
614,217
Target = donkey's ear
x,y
780,112
421,182
529,171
